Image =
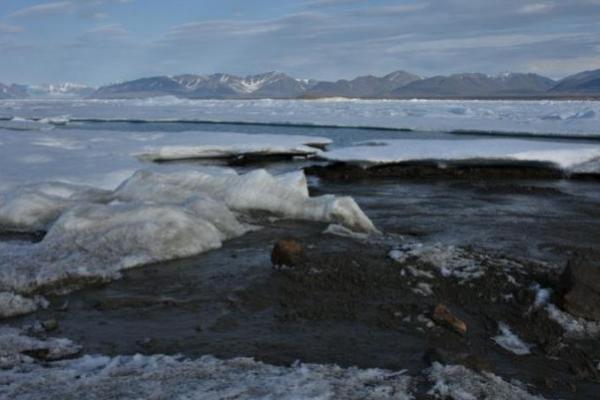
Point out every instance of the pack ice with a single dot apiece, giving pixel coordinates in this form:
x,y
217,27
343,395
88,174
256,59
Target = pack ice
x,y
93,234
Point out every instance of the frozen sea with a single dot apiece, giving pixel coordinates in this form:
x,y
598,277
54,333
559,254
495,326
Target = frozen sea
x,y
92,188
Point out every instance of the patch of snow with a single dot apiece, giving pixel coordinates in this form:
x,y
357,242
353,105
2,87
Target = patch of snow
x,y
511,342
162,377
12,304
423,289
14,345
574,326
542,295
459,383
451,261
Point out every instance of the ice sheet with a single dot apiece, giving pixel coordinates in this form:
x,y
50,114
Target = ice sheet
x,y
565,155
105,158
571,118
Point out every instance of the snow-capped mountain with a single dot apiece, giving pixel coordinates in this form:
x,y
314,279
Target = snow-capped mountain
x,y
399,84
271,84
66,89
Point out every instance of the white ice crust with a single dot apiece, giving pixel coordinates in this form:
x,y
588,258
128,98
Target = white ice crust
x,y
166,377
105,158
169,377
567,156
459,383
571,118
151,217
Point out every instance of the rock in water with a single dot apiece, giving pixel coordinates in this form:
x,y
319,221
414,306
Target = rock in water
x,y
581,288
287,252
443,316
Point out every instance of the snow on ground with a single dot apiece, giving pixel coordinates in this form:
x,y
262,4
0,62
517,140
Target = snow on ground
x,y
12,304
566,156
151,217
450,261
176,377
105,158
575,327
14,346
572,118
167,377
511,342
459,383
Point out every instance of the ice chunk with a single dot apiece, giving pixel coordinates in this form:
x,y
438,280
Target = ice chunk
x,y
96,241
34,207
255,191
511,342
151,217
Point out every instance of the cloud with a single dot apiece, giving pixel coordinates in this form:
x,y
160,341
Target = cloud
x,y
58,7
536,8
90,8
6,28
391,10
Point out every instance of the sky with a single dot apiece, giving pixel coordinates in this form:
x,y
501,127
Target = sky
x,y
104,41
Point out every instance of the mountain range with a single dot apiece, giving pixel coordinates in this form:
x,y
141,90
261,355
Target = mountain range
x,y
399,84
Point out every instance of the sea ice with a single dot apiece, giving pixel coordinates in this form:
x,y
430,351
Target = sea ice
x,y
566,156
525,118
151,217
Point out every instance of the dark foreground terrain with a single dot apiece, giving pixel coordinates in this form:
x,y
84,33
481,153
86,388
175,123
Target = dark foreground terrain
x,y
483,250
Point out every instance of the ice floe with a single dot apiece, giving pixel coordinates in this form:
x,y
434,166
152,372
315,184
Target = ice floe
x,y
567,156
511,342
226,145
94,234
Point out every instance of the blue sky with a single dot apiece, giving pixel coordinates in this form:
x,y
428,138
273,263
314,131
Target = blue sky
x,y
103,41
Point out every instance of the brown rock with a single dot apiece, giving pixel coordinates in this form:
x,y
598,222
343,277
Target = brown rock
x,y
443,316
287,252
581,288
